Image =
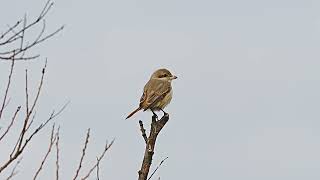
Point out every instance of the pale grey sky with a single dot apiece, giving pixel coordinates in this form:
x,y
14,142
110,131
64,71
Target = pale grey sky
x,y
246,104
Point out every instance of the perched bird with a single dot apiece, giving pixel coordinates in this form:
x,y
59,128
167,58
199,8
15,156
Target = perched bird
x,y
157,93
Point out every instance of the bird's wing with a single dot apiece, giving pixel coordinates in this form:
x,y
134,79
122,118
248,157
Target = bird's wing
x,y
154,92
143,97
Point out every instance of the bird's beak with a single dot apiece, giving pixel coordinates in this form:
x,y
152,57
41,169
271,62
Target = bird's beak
x,y
174,77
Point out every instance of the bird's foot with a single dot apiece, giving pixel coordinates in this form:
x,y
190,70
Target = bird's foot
x,y
154,116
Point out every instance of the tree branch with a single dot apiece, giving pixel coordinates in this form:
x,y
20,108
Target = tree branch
x,y
143,132
106,148
16,35
7,88
82,155
156,127
53,138
157,168
57,153
14,172
11,123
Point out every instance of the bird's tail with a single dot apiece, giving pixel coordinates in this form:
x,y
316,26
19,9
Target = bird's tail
x,y
138,109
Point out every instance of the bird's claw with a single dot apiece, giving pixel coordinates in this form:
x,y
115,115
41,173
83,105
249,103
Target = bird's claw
x,y
154,116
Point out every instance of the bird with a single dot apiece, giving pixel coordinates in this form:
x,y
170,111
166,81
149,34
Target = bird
x,y
157,93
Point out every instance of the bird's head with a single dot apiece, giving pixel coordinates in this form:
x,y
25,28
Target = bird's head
x,y
163,74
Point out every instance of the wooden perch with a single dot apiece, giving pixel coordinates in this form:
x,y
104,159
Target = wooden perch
x,y
156,127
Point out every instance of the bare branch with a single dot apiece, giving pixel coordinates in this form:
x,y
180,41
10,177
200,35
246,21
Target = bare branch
x,y
157,168
11,123
23,30
41,16
83,154
14,172
143,131
14,46
32,120
45,10
106,148
98,176
156,127
12,36
39,88
27,94
11,28
53,138
26,121
18,151
7,88
57,153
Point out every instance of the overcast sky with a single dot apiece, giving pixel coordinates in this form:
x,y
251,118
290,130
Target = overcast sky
x,y
245,106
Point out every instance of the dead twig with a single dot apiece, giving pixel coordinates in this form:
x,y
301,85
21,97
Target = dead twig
x,y
16,35
57,153
156,127
157,168
11,123
27,93
98,176
14,172
106,148
53,138
143,132
17,152
7,88
83,154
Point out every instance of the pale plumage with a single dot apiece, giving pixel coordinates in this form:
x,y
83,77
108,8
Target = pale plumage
x,y
157,93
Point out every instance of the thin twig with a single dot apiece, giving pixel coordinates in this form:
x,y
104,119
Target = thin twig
x,y
83,154
32,120
106,148
8,102
41,16
12,27
98,176
57,153
17,152
7,88
23,30
27,94
26,121
14,172
53,138
143,131
157,168
11,123
18,52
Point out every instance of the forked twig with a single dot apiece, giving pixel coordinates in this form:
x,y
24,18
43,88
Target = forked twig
x,y
53,138
156,127
106,148
16,34
14,172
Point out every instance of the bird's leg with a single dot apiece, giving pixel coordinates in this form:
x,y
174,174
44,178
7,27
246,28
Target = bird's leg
x,y
154,114
164,113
